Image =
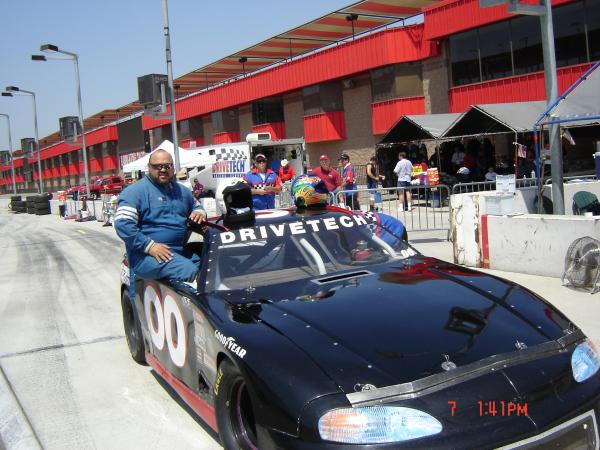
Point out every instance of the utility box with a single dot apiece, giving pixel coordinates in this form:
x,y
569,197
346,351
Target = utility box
x,y
70,128
152,90
28,146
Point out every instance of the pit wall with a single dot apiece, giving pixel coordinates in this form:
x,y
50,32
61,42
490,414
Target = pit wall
x,y
514,239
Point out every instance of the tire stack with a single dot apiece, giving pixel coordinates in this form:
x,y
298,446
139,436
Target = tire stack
x,y
30,204
41,204
17,205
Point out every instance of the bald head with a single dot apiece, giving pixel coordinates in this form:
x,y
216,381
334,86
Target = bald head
x,y
160,167
160,154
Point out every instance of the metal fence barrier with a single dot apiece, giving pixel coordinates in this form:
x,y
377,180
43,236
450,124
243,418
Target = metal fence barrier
x,y
479,186
429,209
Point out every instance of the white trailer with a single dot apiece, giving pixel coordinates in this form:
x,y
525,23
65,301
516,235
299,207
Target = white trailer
x,y
223,163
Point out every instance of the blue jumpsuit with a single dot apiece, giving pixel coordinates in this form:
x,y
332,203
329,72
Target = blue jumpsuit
x,y
148,213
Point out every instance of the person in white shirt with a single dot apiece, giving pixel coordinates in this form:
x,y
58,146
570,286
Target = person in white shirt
x,y
403,170
458,158
491,174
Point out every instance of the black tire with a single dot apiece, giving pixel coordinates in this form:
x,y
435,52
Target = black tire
x,y
38,206
19,204
94,195
133,330
43,212
235,415
15,198
40,199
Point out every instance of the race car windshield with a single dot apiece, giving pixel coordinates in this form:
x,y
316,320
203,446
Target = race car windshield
x,y
308,247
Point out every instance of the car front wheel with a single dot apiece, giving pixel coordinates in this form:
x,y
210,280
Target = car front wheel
x,y
235,415
133,330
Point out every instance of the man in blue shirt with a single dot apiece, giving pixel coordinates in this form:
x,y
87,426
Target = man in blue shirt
x,y
264,184
151,219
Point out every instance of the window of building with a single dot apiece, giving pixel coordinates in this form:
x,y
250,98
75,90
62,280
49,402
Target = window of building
x,y
526,36
162,133
397,81
325,97
190,128
494,49
464,56
268,110
569,34
592,14
225,120
382,83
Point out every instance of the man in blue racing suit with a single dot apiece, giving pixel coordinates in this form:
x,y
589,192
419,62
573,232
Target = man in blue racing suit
x,y
151,219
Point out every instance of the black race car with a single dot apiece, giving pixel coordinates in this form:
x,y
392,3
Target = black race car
x,y
325,330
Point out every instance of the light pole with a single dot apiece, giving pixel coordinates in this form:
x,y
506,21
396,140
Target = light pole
x,y
10,90
544,11
170,82
49,48
10,149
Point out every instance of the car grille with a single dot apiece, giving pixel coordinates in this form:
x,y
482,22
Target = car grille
x,y
580,433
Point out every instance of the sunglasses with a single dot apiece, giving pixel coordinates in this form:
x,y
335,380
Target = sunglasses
x,y
261,161
161,166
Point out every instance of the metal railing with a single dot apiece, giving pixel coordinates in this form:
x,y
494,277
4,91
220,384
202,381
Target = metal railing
x,y
428,209
479,186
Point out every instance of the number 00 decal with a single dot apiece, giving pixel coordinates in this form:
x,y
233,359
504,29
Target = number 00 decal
x,y
165,322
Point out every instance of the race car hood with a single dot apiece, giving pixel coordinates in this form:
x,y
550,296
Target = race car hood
x,y
398,322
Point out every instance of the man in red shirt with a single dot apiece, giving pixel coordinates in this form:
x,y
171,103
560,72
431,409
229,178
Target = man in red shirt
x,y
286,171
325,172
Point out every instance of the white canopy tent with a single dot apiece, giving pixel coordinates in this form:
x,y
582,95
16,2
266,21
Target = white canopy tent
x,y
579,105
187,158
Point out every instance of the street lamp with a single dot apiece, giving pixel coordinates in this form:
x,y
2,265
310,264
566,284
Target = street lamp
x,y
11,89
49,48
11,154
170,82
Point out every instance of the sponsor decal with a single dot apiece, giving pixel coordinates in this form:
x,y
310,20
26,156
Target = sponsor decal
x,y
218,382
229,168
229,343
291,228
166,324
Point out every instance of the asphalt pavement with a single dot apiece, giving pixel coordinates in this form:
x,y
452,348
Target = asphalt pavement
x,y
69,380
68,372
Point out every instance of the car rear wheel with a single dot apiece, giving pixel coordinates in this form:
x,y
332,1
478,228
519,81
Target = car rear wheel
x,y
235,415
94,195
133,330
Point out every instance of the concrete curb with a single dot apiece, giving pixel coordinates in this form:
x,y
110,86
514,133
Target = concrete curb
x,y
15,430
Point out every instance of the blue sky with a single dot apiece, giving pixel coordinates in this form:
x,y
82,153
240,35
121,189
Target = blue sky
x,y
119,40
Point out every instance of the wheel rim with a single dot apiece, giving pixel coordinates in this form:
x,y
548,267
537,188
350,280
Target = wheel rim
x,y
242,416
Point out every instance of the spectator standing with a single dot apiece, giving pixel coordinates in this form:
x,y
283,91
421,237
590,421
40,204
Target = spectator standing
x,y
329,175
349,182
286,171
458,157
491,174
373,178
403,170
264,184
197,189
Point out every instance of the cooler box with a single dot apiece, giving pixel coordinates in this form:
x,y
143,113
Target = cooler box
x,y
433,176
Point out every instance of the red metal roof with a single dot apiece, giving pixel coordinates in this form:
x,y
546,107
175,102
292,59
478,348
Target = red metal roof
x,y
354,19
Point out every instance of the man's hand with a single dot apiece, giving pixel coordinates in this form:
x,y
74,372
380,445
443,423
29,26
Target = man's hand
x,y
198,216
160,252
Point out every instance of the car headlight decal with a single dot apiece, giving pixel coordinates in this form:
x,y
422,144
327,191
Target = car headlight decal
x,y
376,424
585,361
